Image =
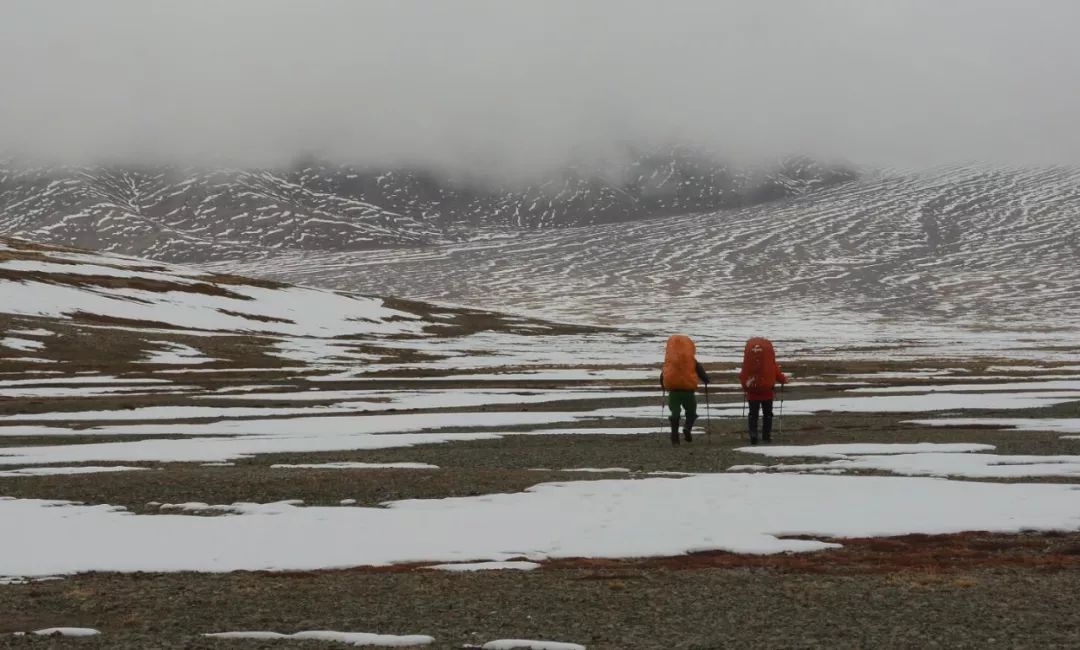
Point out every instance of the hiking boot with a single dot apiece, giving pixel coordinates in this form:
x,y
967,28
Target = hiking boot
x,y
753,440
674,420
688,428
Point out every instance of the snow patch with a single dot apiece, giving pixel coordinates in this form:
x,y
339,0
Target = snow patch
x,y
80,379
1060,384
842,450
884,404
238,508
487,566
1064,425
245,438
923,460
347,465
20,580
34,332
56,471
91,390
176,354
67,631
25,345
529,644
351,638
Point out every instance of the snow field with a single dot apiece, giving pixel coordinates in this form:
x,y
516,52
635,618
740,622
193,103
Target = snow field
x,y
923,459
312,429
738,512
741,513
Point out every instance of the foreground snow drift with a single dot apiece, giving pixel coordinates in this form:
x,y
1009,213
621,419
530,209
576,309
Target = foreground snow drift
x,y
741,513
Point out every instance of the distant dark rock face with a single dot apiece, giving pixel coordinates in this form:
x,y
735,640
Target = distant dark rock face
x,y
191,215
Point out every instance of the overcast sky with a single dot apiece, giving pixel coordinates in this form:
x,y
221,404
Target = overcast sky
x,y
528,83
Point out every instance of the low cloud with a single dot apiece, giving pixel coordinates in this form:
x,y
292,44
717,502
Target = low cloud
x,y
500,85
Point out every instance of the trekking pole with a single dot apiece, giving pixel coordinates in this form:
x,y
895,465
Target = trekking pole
x,y
663,399
742,414
708,417
781,432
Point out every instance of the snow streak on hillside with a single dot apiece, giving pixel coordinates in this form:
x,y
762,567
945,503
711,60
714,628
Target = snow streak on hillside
x,y
986,248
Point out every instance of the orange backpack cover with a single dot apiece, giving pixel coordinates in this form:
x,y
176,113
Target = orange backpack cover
x,y
758,364
680,366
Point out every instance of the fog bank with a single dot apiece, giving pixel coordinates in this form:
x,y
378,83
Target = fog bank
x,y
499,85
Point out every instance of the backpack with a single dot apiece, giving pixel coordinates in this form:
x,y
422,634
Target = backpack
x,y
759,364
680,366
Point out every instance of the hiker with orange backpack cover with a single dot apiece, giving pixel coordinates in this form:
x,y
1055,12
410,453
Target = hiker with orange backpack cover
x,y
679,377
758,376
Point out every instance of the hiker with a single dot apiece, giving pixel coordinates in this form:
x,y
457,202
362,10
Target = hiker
x,y
680,377
758,376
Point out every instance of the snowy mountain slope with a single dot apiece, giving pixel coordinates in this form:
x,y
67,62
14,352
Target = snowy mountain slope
x,y
975,246
178,214
187,214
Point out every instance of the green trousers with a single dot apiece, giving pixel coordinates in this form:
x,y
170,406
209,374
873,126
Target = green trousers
x,y
685,399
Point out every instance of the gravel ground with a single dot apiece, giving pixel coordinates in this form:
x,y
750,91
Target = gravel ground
x,y
611,609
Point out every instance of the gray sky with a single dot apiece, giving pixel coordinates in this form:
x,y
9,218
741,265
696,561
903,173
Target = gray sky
x,y
519,84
